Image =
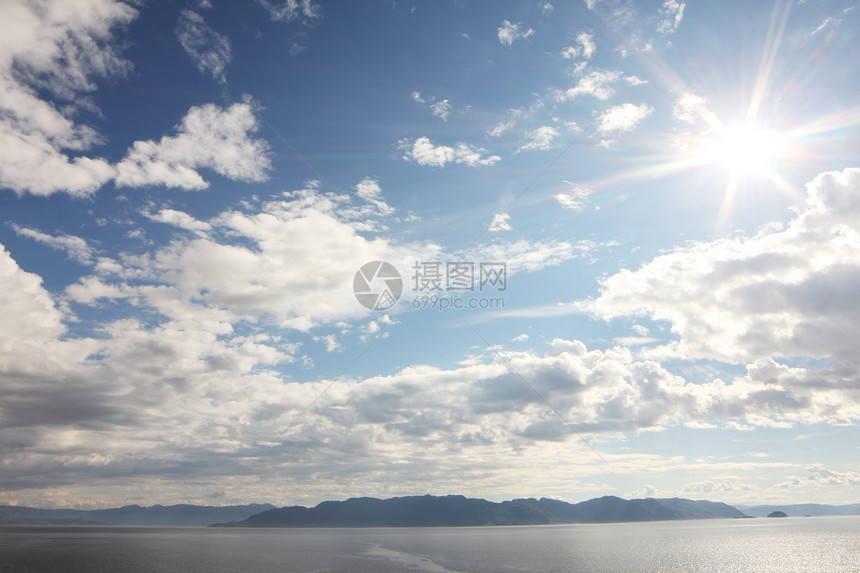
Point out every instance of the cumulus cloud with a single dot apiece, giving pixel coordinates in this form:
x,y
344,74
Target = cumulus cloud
x,y
424,152
540,138
200,330
622,118
671,14
780,293
209,50
30,315
230,414
597,84
58,46
220,305
509,32
209,136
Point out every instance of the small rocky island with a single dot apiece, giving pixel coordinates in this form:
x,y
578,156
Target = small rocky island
x,y
777,514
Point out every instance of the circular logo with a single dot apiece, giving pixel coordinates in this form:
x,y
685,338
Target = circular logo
x,y
377,285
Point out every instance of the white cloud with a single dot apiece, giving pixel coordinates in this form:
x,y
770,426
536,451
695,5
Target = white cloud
x,y
266,265
690,107
827,21
30,317
640,330
781,293
289,10
671,12
58,46
370,191
208,137
530,256
635,81
824,476
423,152
330,342
574,199
515,115
622,118
569,53
179,219
230,412
509,32
441,109
77,248
209,50
586,48
500,223
596,83
501,127
540,138
586,42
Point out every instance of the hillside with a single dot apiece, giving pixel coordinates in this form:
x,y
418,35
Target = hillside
x,y
457,510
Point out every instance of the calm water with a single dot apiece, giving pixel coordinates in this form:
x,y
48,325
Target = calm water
x,y
825,544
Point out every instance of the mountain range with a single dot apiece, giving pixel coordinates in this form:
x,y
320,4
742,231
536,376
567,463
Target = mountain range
x,y
412,511
457,510
177,515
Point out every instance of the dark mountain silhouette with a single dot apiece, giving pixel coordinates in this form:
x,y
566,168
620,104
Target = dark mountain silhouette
x,y
777,514
130,515
457,510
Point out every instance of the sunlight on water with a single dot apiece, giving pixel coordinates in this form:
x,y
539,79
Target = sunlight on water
x,y
819,544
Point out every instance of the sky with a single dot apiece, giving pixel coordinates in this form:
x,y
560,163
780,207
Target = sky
x,y
285,252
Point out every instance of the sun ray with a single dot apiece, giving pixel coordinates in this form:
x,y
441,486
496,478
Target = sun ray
x,y
775,31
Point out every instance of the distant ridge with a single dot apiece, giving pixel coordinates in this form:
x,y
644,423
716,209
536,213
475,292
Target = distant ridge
x,y
181,515
457,510
801,509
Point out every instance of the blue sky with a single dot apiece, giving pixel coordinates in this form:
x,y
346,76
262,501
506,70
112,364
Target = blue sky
x,y
667,193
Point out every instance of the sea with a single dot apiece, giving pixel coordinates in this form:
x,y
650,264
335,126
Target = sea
x,y
760,545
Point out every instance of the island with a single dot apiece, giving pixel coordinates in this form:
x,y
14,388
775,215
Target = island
x,y
773,514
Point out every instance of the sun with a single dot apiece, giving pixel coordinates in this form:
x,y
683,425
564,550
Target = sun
x,y
743,149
